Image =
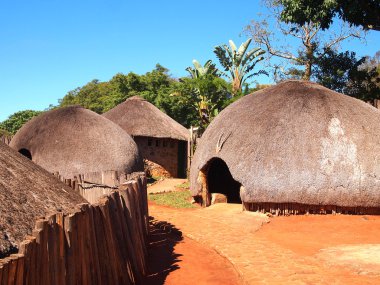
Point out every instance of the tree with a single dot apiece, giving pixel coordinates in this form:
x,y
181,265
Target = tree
x,y
17,120
365,13
4,133
198,70
344,73
204,92
310,40
239,63
333,69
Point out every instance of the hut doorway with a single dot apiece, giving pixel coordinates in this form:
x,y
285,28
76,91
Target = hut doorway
x,y
219,180
25,152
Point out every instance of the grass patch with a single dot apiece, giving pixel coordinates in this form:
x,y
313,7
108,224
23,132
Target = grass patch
x,y
176,199
153,179
184,186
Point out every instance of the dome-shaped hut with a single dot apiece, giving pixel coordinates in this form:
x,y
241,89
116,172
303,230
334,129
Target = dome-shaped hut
x,y
296,147
74,140
161,140
27,192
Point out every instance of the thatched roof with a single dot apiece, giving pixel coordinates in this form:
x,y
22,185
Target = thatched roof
x,y
138,117
27,192
297,142
74,140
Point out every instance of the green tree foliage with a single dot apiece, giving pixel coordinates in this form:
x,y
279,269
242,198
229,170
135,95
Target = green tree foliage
x,y
4,133
365,13
344,73
207,91
308,42
17,120
239,63
198,70
204,97
155,86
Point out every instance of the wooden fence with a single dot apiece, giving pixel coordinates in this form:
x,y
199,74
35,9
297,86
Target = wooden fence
x,y
94,185
5,139
102,243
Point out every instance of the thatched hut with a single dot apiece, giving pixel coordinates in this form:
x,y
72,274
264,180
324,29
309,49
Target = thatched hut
x,y
296,147
27,192
74,140
161,140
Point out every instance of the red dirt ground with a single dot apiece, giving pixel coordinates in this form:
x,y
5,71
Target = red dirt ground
x,y
313,249
174,259
306,235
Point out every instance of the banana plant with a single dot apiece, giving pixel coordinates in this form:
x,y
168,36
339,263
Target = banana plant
x,y
199,71
239,63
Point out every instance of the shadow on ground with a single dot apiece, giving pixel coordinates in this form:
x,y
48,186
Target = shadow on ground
x,y
162,259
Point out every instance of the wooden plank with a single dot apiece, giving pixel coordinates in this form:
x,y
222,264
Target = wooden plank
x,y
126,241
4,278
104,264
94,256
142,240
117,229
45,272
20,270
12,269
110,242
133,264
52,243
83,260
37,278
61,266
1,271
70,226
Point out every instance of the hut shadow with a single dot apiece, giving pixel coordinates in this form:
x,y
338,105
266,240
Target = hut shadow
x,y
162,259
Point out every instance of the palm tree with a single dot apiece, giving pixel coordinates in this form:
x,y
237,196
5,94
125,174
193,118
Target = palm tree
x,y
239,62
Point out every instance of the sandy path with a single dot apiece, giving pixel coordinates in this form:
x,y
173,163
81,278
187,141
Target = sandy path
x,y
166,185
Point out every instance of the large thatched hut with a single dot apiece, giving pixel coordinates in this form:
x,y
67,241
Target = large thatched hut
x,y
27,192
74,140
161,140
296,147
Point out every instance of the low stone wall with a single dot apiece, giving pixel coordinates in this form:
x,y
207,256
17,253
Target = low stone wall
x,y
102,243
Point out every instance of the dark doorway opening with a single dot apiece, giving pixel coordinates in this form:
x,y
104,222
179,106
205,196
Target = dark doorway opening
x,y
25,153
220,180
182,159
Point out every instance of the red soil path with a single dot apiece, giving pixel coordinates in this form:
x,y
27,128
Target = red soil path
x,y
287,250
174,259
306,235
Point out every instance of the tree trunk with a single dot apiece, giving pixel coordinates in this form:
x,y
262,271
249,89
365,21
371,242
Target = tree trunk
x,y
309,61
307,74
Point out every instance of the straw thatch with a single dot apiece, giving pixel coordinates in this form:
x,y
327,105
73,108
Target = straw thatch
x,y
140,118
27,192
297,142
74,140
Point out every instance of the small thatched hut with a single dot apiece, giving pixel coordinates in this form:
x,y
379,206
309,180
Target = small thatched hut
x,y
74,140
161,140
27,192
296,147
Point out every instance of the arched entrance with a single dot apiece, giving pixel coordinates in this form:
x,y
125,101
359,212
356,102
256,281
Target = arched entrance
x,y
25,152
218,179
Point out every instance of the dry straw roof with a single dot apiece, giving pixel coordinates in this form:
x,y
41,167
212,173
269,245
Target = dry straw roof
x,y
141,118
297,142
27,192
74,140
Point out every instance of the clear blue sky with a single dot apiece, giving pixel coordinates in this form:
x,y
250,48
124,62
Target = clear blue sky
x,y
50,47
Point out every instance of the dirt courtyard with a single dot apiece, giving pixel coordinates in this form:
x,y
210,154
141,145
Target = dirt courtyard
x,y
255,249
